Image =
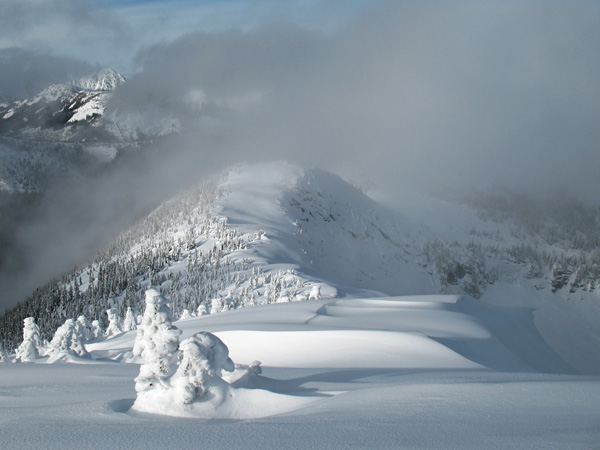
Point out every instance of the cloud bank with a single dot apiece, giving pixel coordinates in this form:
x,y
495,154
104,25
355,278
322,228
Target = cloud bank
x,y
430,94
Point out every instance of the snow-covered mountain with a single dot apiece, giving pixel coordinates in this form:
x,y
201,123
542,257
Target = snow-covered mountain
x,y
274,233
67,128
51,114
56,133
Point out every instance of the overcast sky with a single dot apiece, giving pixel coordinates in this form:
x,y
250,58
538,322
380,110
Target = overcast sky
x,y
111,32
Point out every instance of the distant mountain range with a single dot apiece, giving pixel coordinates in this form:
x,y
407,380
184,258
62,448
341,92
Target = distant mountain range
x,y
59,112
67,128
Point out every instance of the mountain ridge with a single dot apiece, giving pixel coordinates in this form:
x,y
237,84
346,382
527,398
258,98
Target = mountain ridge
x,y
275,232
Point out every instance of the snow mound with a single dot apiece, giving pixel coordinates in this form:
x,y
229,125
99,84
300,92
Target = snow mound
x,y
197,389
221,401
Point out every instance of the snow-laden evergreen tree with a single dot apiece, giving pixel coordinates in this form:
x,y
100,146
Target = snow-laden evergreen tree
x,y
96,330
216,306
68,340
129,324
185,315
29,350
201,311
156,343
83,328
315,292
204,357
114,322
3,354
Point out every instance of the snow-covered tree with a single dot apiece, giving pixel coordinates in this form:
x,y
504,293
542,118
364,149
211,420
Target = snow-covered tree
x,y
185,315
204,357
69,340
315,292
3,354
114,326
96,330
201,311
129,324
83,328
29,348
216,306
156,343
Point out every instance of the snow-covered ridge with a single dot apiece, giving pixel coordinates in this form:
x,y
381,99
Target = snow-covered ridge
x,y
275,232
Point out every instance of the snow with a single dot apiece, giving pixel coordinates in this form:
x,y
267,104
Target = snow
x,y
94,106
104,80
349,373
352,369
9,114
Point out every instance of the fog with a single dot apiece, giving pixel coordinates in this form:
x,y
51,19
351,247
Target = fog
x,y
24,73
407,96
428,95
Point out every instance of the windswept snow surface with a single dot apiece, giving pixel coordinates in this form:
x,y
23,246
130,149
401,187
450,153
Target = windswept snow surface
x,y
396,372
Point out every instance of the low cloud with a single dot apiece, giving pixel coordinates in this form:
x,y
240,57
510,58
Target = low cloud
x,y
80,29
432,94
24,73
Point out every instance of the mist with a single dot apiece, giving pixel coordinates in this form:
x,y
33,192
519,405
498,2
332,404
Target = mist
x,y
428,95
24,73
408,97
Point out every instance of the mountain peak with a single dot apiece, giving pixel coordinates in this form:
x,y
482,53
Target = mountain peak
x,y
104,80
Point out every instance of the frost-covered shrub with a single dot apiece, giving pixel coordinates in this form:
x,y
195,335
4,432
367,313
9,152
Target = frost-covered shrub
x,y
156,343
114,325
68,340
129,324
204,357
29,349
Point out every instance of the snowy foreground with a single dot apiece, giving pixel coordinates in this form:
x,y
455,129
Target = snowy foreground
x,y
404,372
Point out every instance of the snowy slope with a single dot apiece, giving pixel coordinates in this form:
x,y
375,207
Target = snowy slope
x,y
412,333
348,238
408,372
